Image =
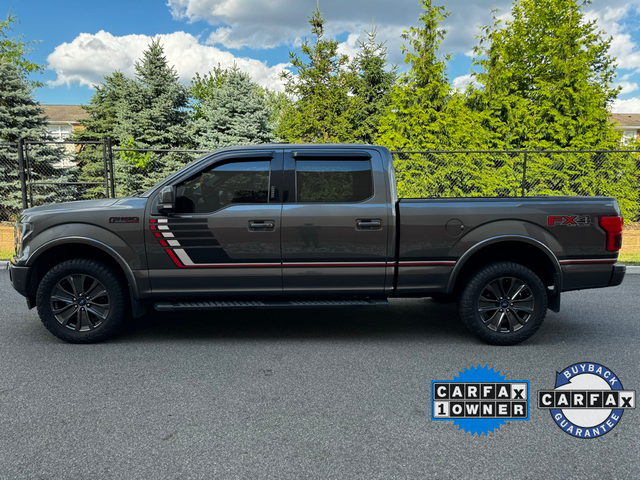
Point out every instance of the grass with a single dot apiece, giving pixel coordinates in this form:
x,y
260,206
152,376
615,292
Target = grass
x,y
5,254
629,258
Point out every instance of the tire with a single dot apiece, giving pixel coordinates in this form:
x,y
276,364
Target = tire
x,y
64,299
503,303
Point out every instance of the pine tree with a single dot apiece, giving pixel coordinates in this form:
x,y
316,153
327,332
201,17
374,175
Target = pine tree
x,y
372,87
322,111
151,115
20,119
102,123
235,115
418,117
425,114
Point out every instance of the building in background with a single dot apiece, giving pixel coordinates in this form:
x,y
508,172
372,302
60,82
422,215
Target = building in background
x,y
62,120
629,123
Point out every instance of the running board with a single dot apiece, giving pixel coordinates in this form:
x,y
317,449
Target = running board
x,y
221,305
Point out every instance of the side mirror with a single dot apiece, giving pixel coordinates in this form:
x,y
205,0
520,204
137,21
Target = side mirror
x,y
167,199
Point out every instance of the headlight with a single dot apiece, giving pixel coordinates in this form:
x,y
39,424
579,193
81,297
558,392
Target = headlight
x,y
20,232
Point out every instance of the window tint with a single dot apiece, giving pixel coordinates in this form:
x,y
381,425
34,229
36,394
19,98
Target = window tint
x,y
333,181
228,184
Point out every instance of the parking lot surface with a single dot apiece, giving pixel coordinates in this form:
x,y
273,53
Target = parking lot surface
x,y
333,393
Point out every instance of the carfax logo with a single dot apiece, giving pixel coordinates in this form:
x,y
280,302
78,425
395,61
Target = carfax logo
x,y
479,400
588,400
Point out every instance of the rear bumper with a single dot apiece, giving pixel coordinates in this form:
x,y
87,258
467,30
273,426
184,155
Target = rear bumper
x,y
617,275
19,277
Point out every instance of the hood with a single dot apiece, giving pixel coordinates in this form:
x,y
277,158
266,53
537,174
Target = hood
x,y
70,207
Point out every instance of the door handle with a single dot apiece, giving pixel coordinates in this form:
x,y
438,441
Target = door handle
x,y
369,224
262,225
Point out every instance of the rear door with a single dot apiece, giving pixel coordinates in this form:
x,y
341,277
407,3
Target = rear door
x,y
225,235
335,221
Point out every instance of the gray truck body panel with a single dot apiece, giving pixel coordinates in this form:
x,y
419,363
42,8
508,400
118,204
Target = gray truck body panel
x,y
317,249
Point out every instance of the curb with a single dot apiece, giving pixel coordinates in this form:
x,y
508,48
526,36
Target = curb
x,y
631,269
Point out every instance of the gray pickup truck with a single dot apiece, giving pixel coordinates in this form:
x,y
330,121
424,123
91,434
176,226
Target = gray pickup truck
x,y
308,226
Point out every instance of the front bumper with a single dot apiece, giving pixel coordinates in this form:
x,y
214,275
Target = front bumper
x,y
19,277
617,275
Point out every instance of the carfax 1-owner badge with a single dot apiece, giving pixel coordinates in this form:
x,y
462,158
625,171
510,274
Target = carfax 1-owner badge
x,y
588,400
479,400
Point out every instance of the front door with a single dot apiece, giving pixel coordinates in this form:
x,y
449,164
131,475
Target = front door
x,y
224,238
334,222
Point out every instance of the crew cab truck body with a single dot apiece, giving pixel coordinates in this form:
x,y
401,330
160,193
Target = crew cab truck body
x,y
308,225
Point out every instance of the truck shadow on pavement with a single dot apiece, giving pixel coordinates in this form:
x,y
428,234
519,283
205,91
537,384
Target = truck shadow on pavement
x,y
413,318
419,319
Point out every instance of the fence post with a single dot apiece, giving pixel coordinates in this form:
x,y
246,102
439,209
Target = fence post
x,y
21,174
524,172
104,166
113,173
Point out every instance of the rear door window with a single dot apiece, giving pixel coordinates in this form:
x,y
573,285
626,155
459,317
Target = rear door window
x,y
333,181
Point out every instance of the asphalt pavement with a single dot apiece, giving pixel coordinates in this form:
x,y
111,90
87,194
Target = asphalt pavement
x,y
294,394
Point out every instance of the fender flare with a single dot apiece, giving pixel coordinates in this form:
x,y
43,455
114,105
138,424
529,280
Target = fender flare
x,y
505,238
133,286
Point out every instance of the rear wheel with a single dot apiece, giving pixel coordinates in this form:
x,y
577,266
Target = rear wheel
x,y
503,303
81,301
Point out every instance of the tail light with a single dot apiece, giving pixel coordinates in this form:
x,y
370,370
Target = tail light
x,y
613,227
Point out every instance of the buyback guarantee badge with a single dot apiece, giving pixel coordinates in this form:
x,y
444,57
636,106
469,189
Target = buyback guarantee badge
x,y
479,400
587,401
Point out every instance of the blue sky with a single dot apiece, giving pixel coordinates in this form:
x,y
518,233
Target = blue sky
x,y
81,42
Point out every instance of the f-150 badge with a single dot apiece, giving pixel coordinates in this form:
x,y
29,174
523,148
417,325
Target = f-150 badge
x,y
479,400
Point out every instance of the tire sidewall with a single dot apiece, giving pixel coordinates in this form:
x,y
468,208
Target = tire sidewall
x,y
476,285
100,272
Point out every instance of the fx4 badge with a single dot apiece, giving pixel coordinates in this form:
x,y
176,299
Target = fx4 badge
x,y
569,220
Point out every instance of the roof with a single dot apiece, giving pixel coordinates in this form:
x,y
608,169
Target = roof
x,y
626,119
64,113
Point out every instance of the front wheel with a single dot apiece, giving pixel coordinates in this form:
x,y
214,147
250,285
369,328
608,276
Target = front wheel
x,y
503,303
81,301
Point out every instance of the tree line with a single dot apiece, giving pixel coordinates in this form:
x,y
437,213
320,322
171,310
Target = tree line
x,y
543,80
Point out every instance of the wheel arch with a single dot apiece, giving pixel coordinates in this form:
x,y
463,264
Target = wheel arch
x,y
526,251
66,248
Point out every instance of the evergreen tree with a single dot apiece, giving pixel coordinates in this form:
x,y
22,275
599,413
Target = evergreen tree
x,y
235,115
372,87
276,103
546,77
546,83
151,114
21,119
322,111
102,123
425,114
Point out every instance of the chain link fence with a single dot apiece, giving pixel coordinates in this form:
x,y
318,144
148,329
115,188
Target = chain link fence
x,y
36,173
443,174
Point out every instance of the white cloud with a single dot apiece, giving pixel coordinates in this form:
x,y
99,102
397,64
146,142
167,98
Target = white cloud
x,y
87,58
630,105
266,24
462,82
627,87
350,47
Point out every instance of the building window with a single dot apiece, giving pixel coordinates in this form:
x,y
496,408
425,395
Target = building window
x,y
60,133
